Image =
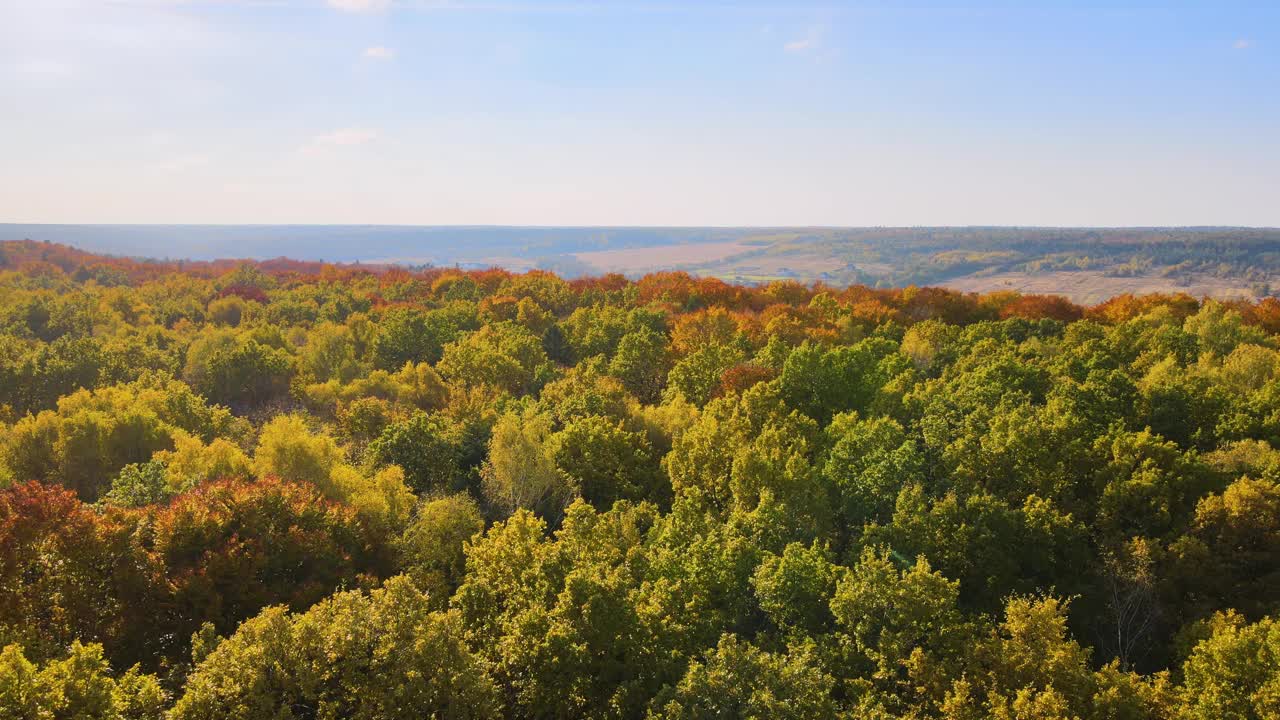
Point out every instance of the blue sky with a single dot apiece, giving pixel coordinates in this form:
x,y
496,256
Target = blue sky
x,y
630,112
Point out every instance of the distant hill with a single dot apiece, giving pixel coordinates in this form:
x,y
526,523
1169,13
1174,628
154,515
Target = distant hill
x,y
1086,264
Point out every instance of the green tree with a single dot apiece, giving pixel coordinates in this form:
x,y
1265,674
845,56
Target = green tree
x,y
330,354
431,548
78,686
903,626
1234,674
796,588
237,370
642,362
739,680
426,447
869,462
697,375
365,657
501,355
413,336
606,462
138,485
1230,558
521,470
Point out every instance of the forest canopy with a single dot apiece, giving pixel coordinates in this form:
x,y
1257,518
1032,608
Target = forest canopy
x,y
306,490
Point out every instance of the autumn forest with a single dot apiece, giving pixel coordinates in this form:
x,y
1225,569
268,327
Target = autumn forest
x,y
285,489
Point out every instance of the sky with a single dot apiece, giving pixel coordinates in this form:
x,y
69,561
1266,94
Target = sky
x,y
630,112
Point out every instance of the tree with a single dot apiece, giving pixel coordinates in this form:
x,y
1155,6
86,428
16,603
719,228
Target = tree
x,y
289,450
138,485
431,548
502,355
993,549
67,573
78,686
228,549
795,589
821,383
900,623
1229,558
606,462
237,370
642,362
582,393
365,657
426,447
595,331
330,354
697,375
191,463
1233,673
521,470
408,335
739,680
84,447
869,462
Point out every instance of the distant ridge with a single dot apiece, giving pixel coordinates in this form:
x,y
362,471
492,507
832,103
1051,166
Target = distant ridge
x,y
1085,264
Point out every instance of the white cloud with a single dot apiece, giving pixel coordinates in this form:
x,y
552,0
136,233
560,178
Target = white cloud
x,y
812,40
345,137
379,53
1243,44
360,6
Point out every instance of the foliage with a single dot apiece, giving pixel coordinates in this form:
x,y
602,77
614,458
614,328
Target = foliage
x,y
377,492
78,686
381,655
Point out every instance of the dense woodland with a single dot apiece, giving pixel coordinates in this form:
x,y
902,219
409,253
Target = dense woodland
x,y
298,490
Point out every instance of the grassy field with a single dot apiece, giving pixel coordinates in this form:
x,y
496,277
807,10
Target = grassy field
x,y
640,260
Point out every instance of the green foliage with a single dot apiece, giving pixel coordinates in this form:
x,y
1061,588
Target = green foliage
x,y
1234,672
365,657
738,680
138,485
407,335
795,589
426,447
503,355
237,369
521,470
606,462
869,462
697,375
642,362
821,383
78,686
668,498
431,547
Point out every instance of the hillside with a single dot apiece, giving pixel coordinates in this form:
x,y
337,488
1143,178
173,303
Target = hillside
x,y
295,489
1087,265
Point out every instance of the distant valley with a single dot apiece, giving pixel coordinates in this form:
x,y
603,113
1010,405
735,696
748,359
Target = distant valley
x,y
1085,264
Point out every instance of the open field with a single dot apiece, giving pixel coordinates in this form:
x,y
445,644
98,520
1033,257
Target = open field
x,y
639,260
1094,287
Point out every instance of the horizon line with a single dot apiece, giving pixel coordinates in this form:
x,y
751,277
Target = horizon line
x,y
462,226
